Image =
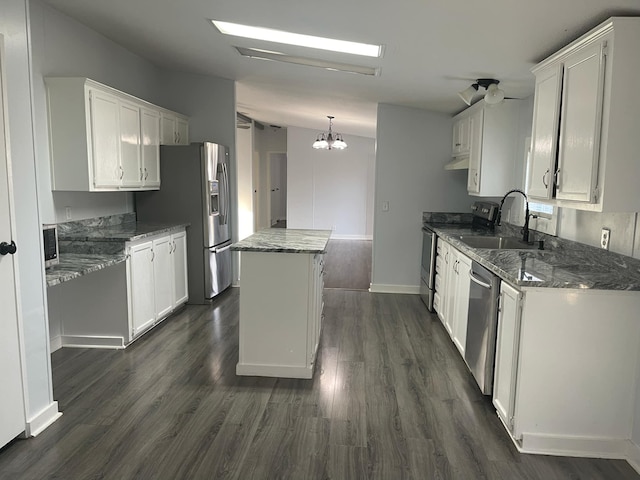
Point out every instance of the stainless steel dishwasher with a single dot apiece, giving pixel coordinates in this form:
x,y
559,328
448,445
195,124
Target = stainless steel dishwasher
x,y
480,346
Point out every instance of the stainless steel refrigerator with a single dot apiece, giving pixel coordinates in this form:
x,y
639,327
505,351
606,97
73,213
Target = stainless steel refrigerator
x,y
195,189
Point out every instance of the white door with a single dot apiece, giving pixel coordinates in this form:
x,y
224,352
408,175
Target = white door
x,y
150,131
105,139
475,151
179,254
143,311
461,309
12,414
163,275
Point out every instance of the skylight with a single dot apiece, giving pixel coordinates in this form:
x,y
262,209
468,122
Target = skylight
x,y
288,38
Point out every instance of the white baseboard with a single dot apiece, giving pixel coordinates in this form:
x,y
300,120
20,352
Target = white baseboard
x,y
252,369
574,446
633,456
55,344
382,288
338,236
88,341
42,420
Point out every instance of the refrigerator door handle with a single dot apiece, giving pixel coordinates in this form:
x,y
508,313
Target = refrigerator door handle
x,y
225,181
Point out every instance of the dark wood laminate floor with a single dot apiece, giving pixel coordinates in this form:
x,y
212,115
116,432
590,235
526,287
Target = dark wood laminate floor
x,y
348,264
390,399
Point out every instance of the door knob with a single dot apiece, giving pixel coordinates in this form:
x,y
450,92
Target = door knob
x,y
9,248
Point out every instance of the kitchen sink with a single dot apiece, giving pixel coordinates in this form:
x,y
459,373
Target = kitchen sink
x,y
497,243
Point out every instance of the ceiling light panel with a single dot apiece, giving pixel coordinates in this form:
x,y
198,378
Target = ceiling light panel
x,y
309,62
289,38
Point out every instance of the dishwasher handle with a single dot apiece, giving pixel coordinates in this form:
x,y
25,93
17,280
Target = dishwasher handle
x,y
475,279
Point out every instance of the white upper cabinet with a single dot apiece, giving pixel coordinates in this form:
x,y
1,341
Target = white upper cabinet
x,y
491,136
461,130
175,128
101,139
584,153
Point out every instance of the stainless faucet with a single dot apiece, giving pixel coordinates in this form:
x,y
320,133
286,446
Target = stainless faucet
x,y
525,228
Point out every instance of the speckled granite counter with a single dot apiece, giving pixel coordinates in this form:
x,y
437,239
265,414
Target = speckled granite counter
x,y
562,264
74,265
285,241
93,244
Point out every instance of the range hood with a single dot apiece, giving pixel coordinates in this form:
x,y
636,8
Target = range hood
x,y
458,163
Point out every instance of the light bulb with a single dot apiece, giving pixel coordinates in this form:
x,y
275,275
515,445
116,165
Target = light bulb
x,y
494,95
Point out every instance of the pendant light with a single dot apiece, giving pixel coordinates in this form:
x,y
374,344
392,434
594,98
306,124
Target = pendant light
x,y
329,141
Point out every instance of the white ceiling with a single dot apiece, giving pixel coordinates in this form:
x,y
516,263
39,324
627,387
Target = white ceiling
x,y
433,48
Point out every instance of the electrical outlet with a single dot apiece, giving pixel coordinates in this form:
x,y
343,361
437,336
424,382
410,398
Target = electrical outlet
x,y
67,213
604,238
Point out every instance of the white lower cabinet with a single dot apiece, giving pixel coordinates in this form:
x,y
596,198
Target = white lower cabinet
x,y
280,313
157,279
565,372
452,290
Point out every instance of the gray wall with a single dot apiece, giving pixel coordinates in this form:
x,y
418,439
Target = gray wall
x,y
412,147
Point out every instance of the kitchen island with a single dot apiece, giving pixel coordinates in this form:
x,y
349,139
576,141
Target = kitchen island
x,y
281,276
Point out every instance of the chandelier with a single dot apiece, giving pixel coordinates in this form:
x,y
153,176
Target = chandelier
x,y
329,141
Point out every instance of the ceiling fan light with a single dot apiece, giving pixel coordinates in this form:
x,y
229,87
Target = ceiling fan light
x,y
468,93
494,94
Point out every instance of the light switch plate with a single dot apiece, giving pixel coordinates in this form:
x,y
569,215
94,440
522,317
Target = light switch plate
x,y
604,238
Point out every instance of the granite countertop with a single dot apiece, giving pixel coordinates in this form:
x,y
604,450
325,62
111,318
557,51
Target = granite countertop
x,y
285,241
96,243
125,232
74,265
562,264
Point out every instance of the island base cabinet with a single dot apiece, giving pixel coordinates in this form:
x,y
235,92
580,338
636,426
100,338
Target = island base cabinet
x,y
280,313
566,370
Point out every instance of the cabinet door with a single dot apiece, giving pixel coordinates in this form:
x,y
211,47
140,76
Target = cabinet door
x,y
507,349
150,150
182,131
131,169
451,284
163,276
105,139
546,115
179,257
443,283
141,289
475,151
460,137
167,128
578,152
461,309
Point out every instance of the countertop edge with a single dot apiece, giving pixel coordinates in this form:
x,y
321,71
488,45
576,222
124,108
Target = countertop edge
x,y
74,266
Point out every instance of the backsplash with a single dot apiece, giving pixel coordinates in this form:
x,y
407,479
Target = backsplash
x,y
97,222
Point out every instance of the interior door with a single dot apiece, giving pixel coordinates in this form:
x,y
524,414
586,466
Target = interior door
x,y
12,414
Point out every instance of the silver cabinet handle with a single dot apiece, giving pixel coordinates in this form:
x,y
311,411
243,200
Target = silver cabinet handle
x,y
141,176
153,255
557,178
146,173
475,178
544,179
121,172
